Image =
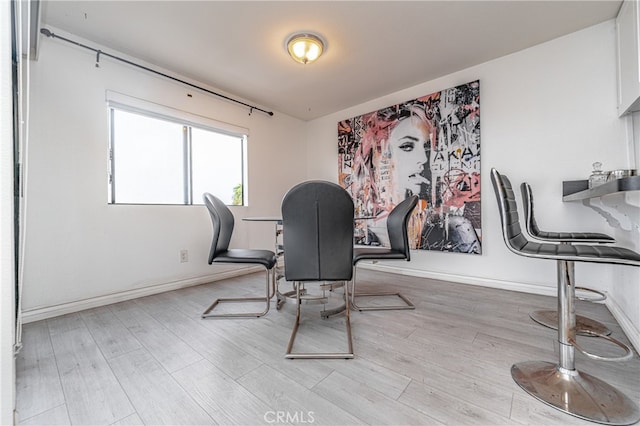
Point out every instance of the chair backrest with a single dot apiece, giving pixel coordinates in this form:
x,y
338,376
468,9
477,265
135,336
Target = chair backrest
x,y
397,225
527,205
317,220
222,221
511,231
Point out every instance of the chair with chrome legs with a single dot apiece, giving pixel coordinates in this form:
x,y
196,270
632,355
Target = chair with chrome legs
x,y
549,318
561,385
317,218
223,222
399,242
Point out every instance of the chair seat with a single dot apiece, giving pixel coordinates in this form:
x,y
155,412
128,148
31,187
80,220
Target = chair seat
x,y
364,253
574,237
266,258
556,237
578,252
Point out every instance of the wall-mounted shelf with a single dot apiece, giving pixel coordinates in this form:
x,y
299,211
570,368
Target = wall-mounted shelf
x,y
610,200
577,190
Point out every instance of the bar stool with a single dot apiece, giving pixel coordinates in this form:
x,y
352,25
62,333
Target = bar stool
x,y
561,385
549,318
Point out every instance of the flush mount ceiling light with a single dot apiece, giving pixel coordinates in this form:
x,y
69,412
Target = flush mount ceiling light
x,y
305,47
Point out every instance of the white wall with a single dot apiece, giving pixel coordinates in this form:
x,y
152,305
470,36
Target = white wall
x,y
79,248
625,290
547,113
7,274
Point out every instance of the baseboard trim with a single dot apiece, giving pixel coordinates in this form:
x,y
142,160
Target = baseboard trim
x,y
632,333
38,314
464,279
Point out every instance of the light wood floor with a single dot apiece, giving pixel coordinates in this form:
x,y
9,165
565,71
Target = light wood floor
x,y
154,361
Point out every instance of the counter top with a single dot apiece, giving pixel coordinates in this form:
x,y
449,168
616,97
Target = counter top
x,y
577,190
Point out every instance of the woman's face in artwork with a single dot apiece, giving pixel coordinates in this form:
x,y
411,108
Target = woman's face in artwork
x,y
409,143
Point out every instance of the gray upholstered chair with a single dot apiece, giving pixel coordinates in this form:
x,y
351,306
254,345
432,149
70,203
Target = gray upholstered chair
x,y
223,222
549,318
317,219
561,385
399,250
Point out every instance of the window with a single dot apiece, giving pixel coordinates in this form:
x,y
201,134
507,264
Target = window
x,y
161,159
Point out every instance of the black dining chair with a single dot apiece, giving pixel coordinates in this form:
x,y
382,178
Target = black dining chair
x,y
223,223
561,385
317,219
549,318
398,250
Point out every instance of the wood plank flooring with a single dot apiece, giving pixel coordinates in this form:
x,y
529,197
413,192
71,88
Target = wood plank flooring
x,y
153,361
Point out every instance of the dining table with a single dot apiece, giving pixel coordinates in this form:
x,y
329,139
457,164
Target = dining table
x,y
282,297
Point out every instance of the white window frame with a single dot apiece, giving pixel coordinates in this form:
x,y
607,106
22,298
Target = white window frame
x,y
122,102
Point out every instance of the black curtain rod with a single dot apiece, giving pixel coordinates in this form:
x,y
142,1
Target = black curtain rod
x,y
99,52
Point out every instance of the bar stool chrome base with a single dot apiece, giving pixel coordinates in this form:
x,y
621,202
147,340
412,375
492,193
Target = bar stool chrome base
x,y
576,393
584,326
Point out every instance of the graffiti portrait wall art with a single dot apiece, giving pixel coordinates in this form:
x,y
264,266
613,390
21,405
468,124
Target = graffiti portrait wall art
x,y
430,147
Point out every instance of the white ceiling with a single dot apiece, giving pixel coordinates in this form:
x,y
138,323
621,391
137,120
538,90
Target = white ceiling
x,y
374,47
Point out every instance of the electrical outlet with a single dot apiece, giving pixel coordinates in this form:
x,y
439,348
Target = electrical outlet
x,y
184,256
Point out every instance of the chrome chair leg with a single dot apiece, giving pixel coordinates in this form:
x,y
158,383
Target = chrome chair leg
x,y
561,385
319,355
208,313
407,302
331,287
